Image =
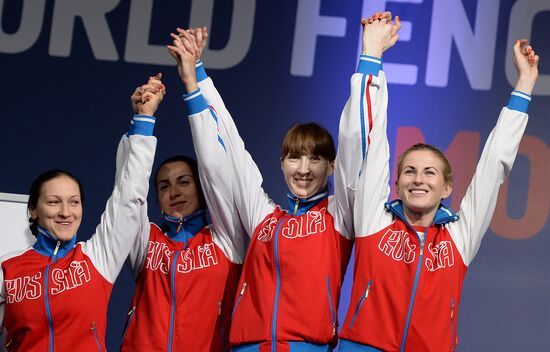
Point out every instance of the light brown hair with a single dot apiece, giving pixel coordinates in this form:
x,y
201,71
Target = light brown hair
x,y
308,138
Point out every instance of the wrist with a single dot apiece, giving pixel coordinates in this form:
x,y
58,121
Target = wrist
x,y
191,86
525,85
370,52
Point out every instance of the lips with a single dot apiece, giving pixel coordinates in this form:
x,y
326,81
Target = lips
x,y
177,204
65,224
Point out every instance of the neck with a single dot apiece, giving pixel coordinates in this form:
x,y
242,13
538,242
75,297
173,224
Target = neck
x,y
424,219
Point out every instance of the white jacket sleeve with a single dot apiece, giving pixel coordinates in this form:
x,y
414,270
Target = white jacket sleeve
x,y
216,181
368,177
367,100
478,205
250,200
124,221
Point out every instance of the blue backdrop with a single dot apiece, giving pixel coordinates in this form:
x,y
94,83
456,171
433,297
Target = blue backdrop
x,y
69,67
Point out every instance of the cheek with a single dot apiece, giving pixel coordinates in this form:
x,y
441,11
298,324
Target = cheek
x,y
163,200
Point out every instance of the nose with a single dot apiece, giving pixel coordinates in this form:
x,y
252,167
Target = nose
x,y
65,210
303,166
418,178
174,192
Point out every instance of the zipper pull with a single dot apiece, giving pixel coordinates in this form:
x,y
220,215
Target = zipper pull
x,y
242,290
180,222
368,289
9,343
219,309
93,327
296,205
333,329
56,248
452,308
132,310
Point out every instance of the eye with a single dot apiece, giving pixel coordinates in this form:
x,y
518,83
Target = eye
x,y
184,183
430,172
409,172
315,158
53,202
163,188
75,202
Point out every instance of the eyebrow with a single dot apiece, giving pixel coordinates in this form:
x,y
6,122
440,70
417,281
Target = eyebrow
x,y
165,180
426,168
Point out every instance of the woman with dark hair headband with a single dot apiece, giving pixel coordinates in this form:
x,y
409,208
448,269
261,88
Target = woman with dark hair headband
x,y
186,268
54,295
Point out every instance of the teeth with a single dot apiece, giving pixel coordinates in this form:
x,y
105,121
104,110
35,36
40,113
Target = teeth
x,y
418,191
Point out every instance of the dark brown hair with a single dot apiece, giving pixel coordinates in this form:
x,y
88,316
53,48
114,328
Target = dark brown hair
x,y
36,188
192,163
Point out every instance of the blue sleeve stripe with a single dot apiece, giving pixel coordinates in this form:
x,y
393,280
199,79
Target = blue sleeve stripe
x,y
221,142
195,102
189,96
142,125
362,117
215,117
521,94
201,73
518,102
371,58
369,65
144,118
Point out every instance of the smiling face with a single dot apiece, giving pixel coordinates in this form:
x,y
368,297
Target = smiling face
x,y
177,189
306,174
421,185
307,158
59,207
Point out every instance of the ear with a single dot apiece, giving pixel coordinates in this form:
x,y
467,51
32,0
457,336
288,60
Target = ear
x,y
330,168
447,190
396,188
32,214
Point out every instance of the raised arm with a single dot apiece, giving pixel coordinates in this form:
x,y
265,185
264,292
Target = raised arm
x,y
364,128
215,132
124,224
478,205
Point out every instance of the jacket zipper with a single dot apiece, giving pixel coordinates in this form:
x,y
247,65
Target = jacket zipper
x,y
415,287
222,331
453,336
173,291
296,205
93,329
277,288
47,295
8,344
361,301
332,315
239,298
130,317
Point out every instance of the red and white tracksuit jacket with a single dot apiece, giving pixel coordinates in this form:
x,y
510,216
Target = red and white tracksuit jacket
x,y
406,288
289,290
54,295
187,273
185,289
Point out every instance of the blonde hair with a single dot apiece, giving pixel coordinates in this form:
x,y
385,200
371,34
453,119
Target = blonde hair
x,y
447,169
